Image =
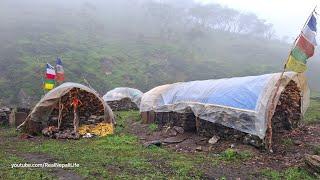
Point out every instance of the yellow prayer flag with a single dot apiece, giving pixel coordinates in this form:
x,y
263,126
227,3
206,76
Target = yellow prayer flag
x,y
48,86
295,65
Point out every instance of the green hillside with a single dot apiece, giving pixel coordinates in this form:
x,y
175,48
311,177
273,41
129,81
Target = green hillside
x,y
141,48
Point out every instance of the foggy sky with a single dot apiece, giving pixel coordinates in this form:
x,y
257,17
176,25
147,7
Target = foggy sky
x,y
287,16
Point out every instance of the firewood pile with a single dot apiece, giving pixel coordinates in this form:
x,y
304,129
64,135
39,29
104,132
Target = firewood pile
x,y
209,129
123,104
190,123
184,120
288,111
4,116
90,110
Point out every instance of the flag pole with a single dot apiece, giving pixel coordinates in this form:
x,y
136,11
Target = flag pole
x,y
41,77
87,82
272,106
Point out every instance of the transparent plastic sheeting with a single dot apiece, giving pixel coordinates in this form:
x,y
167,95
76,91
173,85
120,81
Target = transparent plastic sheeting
x,y
44,107
123,92
241,103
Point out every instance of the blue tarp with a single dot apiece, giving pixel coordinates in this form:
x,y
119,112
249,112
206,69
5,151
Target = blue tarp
x,y
241,92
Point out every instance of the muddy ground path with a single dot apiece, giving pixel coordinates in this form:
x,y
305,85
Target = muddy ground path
x,y
289,149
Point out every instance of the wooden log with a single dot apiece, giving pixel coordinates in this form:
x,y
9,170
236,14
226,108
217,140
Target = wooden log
x,y
313,164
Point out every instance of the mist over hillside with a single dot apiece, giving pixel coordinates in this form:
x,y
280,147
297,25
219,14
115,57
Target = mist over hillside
x,y
140,44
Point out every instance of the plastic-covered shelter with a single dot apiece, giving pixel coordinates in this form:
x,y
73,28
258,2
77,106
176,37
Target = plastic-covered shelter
x,y
41,112
241,103
124,92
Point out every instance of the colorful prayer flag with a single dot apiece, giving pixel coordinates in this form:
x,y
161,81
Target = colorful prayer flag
x,y
49,83
48,86
50,71
304,46
295,65
60,71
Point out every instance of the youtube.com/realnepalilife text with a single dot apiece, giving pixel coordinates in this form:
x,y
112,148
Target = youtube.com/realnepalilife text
x,y
45,165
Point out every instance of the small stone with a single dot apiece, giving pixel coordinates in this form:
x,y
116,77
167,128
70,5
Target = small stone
x,y
232,146
214,140
179,129
199,148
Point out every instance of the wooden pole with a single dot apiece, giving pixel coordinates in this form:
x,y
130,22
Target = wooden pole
x,y
60,113
42,79
272,106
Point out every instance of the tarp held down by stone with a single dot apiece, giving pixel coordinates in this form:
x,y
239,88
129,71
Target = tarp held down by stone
x,y
124,92
45,106
241,103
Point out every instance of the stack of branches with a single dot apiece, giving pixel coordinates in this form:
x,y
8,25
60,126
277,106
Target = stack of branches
x,y
288,111
122,104
90,110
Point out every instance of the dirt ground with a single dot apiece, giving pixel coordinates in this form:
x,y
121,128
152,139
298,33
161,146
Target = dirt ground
x,y
289,149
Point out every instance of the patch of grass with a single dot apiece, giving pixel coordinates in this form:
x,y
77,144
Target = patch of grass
x,y
223,178
232,155
185,168
153,127
122,118
313,114
271,174
8,132
287,142
293,173
102,155
296,173
6,172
